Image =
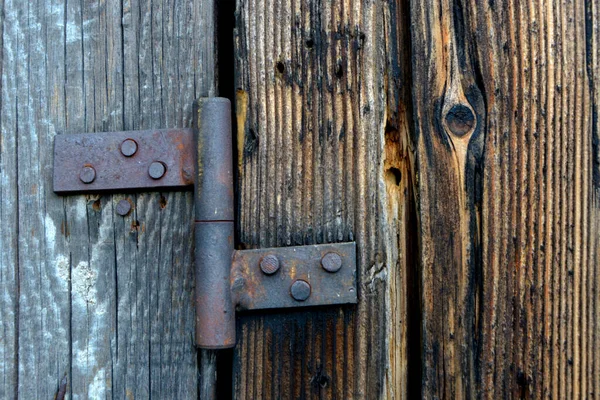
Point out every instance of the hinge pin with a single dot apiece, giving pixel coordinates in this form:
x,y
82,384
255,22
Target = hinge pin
x,y
213,195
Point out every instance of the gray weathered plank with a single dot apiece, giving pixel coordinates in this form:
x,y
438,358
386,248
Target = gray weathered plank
x,y
43,285
8,219
103,299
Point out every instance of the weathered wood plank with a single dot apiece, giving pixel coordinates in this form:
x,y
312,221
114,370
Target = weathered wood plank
x,y
324,157
592,319
43,264
102,299
507,198
9,218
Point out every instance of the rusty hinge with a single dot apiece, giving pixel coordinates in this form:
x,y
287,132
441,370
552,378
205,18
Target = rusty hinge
x,y
201,158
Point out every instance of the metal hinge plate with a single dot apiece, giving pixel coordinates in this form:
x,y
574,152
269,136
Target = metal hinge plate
x,y
126,161
298,276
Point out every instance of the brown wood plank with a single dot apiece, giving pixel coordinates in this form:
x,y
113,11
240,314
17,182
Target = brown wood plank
x,y
591,338
324,157
88,294
507,161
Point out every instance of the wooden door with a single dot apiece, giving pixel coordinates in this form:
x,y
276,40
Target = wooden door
x,y
455,141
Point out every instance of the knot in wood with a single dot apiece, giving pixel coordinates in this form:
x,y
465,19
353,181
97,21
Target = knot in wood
x,y
460,120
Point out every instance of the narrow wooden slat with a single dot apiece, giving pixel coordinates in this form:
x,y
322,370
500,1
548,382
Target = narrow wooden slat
x,y
507,197
592,321
324,157
9,266
43,264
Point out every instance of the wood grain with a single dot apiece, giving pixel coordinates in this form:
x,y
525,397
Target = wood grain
x,y
324,157
591,338
507,159
104,299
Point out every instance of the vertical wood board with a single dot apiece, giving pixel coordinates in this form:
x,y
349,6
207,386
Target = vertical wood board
x,y
324,157
507,162
102,299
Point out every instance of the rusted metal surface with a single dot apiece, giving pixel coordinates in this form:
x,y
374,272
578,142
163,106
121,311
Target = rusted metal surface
x,y
132,160
253,289
214,185
215,311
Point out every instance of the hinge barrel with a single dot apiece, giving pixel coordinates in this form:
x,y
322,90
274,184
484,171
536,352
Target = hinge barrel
x,y
214,227
214,170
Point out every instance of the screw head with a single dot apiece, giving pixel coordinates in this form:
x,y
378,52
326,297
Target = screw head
x,y
87,174
269,264
300,290
128,147
331,262
123,207
157,170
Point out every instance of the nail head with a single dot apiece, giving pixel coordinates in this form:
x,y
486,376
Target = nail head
x,y
123,207
300,290
128,147
331,262
157,170
87,174
269,264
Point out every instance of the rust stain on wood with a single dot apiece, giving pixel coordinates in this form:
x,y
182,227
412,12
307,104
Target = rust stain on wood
x,y
241,113
62,389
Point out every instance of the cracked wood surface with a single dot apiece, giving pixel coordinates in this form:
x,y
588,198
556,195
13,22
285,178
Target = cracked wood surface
x,y
104,300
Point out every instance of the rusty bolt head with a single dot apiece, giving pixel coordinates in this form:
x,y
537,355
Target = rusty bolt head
x,y
128,147
157,170
331,262
123,207
300,290
87,174
269,264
